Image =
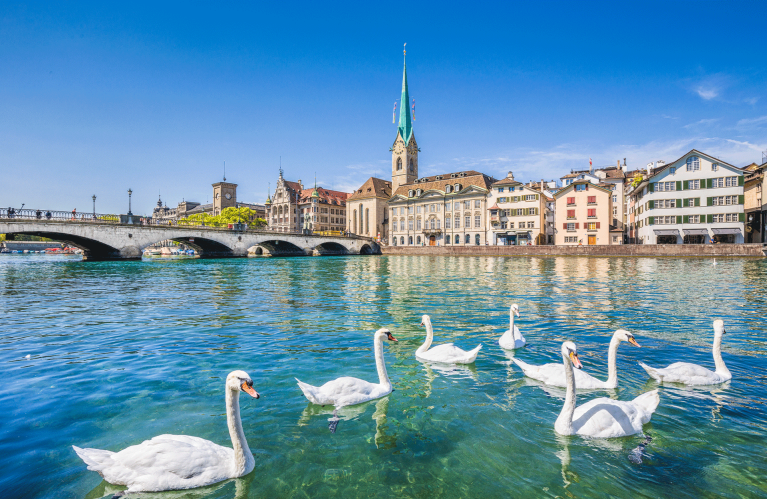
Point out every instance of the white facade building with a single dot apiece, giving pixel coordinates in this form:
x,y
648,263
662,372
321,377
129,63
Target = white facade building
x,y
696,199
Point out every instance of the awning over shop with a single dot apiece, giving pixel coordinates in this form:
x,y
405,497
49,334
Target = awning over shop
x,y
666,232
734,230
695,232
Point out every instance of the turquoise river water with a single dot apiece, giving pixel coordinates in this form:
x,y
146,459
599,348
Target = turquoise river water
x,y
107,355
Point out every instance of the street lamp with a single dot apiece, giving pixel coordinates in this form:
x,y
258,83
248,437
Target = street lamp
x,y
130,193
94,207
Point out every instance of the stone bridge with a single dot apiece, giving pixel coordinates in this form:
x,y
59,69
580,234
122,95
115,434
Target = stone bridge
x,y
113,241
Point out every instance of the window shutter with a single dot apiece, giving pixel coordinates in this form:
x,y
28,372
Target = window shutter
x,y
679,203
709,183
685,185
741,198
537,196
651,187
697,201
679,219
741,215
686,219
652,220
710,201
564,226
679,185
710,219
652,204
597,225
740,180
577,225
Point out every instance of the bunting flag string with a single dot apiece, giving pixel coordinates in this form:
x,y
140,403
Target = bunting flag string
x,y
394,113
414,109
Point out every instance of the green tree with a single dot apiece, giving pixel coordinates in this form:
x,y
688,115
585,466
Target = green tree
x,y
2,238
228,216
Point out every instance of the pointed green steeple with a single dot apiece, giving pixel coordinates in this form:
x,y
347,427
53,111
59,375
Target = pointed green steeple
x,y
405,124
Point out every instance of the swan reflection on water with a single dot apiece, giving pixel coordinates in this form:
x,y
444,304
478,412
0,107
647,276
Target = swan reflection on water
x,y
351,413
714,393
241,490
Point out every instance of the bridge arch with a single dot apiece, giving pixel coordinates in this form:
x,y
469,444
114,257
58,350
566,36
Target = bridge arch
x,y
330,248
278,247
205,247
366,249
92,248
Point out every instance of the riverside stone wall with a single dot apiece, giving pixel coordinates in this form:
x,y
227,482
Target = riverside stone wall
x,y
645,250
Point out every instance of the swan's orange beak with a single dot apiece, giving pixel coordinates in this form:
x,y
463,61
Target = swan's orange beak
x,y
391,338
249,390
576,361
633,341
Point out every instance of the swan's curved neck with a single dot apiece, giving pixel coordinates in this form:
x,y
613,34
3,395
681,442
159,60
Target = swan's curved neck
x,y
612,366
511,320
243,458
564,423
429,338
718,361
383,377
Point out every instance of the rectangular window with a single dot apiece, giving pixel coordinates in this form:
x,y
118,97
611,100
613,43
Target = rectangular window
x,y
615,199
457,223
672,170
503,225
571,200
418,224
410,224
477,203
401,225
665,203
665,186
447,223
432,208
591,226
718,218
467,222
477,221
570,213
581,187
511,225
731,181
592,213
467,205
694,219
410,210
530,225
529,197
418,209
437,208
732,217
500,189
665,220
714,167
571,239
448,206
693,184
592,200
571,226
717,182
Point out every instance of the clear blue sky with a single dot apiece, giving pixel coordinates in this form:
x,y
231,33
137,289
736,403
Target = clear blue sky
x,y
96,98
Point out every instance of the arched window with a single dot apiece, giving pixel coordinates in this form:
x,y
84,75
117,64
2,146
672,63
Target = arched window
x,y
476,239
457,239
410,240
399,163
402,240
693,164
457,187
412,169
418,192
468,239
354,222
448,189
410,193
418,240
367,221
395,241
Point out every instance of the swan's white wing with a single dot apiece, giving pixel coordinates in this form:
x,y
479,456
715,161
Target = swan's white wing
x,y
685,372
554,375
512,341
449,354
168,462
608,418
348,391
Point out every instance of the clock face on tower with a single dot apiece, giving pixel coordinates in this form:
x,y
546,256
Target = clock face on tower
x,y
228,196
398,148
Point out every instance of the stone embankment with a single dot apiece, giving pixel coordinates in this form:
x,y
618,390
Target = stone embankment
x,y
641,250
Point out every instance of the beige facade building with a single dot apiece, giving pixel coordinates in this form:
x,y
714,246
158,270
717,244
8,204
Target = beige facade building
x,y
295,209
368,209
583,215
755,204
449,209
519,214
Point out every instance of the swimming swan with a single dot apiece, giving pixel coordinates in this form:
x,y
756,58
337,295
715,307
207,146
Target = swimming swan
x,y
693,374
445,354
554,374
351,391
512,339
602,417
171,462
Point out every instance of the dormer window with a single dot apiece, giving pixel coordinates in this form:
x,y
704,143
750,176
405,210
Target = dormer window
x,y
452,175
457,187
448,188
410,194
418,193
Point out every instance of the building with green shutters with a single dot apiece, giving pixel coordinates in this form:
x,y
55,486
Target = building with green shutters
x,y
697,199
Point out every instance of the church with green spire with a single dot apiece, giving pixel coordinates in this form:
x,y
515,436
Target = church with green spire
x,y
404,158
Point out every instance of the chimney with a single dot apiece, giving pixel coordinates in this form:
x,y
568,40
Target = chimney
x,y
300,184
649,169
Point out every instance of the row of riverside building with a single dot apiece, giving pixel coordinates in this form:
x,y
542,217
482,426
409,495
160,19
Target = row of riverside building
x,y
697,199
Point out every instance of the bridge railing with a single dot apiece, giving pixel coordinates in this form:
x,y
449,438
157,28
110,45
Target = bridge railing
x,y
111,218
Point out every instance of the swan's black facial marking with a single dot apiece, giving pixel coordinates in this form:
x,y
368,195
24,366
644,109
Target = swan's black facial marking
x,y
390,337
632,340
246,385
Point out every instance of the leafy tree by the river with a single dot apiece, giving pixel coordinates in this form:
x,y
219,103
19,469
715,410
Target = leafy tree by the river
x,y
228,216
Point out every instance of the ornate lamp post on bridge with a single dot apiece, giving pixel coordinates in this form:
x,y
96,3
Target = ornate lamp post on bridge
x,y
94,207
130,193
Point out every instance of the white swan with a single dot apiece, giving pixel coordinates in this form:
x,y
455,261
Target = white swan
x,y
554,374
512,339
693,374
602,417
445,354
351,391
171,462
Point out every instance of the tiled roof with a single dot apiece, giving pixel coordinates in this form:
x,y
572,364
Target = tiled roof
x,y
326,196
507,181
293,186
470,177
373,187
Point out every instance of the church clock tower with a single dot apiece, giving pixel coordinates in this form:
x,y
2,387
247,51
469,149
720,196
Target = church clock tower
x,y
404,151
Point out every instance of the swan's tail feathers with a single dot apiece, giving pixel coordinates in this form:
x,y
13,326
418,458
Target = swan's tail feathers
x,y
473,354
96,459
648,402
522,365
309,392
651,371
